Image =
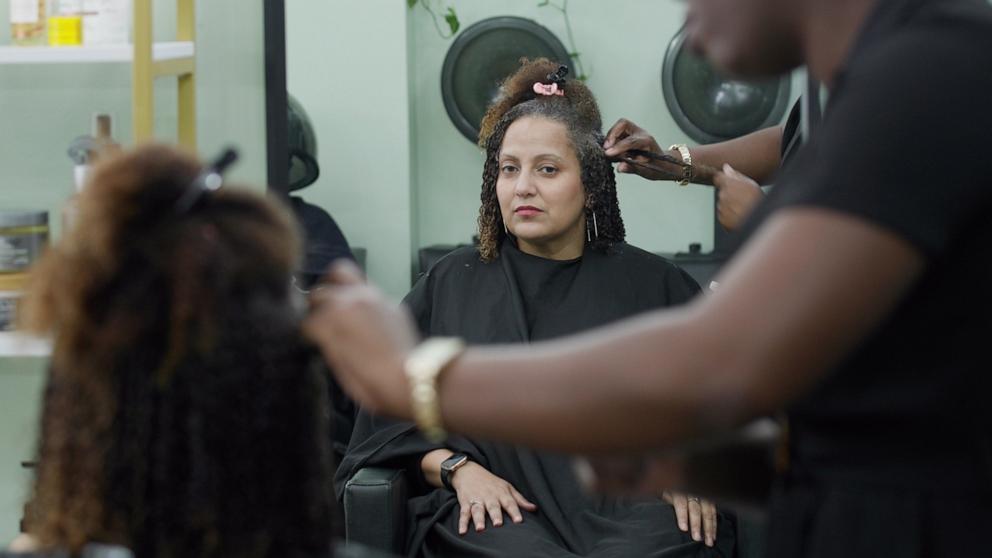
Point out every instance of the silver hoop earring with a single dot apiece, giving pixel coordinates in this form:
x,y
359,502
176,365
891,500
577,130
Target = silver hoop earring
x,y
595,227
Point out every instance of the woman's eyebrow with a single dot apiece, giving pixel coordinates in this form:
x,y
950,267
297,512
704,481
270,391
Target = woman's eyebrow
x,y
511,156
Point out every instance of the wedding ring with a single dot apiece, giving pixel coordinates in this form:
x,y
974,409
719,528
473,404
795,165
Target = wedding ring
x,y
693,499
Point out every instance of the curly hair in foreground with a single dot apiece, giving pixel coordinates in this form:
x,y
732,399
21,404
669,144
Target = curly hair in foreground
x,y
184,415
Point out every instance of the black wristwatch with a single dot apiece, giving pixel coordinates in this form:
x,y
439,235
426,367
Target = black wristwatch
x,y
449,466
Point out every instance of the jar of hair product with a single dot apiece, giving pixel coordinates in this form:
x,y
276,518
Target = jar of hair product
x,y
23,235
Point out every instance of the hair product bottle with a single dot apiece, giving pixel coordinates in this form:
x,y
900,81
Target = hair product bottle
x,y
84,151
27,22
65,24
106,22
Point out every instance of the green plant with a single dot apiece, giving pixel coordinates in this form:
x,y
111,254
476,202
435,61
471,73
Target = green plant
x,y
574,52
450,17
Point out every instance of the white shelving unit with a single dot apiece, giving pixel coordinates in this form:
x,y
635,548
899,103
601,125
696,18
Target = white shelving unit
x,y
148,59
19,345
161,52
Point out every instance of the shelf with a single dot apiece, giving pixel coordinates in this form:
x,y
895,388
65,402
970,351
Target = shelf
x,y
19,345
161,52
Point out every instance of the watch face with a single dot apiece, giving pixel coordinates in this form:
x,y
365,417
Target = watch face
x,y
453,462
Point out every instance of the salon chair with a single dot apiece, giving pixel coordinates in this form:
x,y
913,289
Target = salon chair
x,y
375,509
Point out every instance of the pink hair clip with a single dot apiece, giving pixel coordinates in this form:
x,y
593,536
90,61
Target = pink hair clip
x,y
549,90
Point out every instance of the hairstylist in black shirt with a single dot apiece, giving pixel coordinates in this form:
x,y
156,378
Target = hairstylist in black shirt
x,y
859,303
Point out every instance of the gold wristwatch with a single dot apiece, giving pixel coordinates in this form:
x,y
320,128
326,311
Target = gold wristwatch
x,y
683,150
422,368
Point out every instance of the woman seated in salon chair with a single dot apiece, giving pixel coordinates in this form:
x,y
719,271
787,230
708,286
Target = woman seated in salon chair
x,y
184,415
551,261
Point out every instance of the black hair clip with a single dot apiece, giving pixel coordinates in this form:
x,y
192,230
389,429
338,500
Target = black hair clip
x,y
210,179
559,76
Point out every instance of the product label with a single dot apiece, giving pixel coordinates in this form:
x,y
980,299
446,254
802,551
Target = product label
x,y
24,11
17,252
70,7
8,310
106,22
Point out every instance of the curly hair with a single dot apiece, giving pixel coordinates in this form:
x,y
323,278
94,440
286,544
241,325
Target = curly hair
x,y
579,112
184,415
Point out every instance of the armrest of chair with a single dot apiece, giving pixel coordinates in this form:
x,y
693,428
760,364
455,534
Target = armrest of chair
x,y
375,509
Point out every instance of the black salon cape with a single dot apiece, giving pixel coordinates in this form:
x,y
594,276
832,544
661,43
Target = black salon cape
x,y
482,303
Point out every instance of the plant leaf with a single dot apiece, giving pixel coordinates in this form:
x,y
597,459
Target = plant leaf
x,y
411,3
452,18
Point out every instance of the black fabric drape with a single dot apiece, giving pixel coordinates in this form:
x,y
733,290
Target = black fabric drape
x,y
519,298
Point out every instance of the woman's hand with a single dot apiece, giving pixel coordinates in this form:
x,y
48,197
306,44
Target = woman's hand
x,y
694,515
481,492
365,338
736,197
625,136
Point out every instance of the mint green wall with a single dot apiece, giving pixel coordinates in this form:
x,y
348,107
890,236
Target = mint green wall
x,y
43,107
347,65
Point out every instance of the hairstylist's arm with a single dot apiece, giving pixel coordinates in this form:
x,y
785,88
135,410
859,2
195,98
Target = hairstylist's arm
x,y
757,154
789,308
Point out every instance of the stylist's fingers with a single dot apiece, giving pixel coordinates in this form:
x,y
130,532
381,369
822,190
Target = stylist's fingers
x,y
345,272
618,131
709,522
628,143
734,173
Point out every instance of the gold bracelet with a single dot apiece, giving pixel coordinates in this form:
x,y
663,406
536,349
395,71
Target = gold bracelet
x,y
683,150
423,367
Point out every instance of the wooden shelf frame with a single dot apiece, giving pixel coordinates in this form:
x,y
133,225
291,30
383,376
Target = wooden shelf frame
x,y
146,68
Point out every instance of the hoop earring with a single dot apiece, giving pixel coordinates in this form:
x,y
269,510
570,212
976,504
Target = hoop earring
x,y
595,227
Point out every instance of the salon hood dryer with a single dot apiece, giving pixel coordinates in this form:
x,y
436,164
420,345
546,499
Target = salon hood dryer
x,y
302,146
710,108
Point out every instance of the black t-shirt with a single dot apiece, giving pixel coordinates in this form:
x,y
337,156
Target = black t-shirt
x,y
544,284
902,146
